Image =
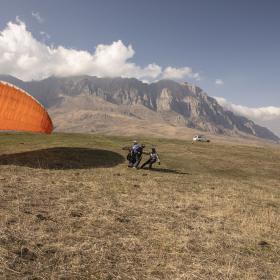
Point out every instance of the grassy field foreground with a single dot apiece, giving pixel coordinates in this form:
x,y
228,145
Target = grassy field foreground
x,y
71,209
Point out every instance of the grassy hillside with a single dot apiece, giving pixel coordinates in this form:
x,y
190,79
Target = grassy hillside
x,y
71,209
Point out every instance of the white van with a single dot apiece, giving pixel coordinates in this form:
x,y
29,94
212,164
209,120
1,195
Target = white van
x,y
200,138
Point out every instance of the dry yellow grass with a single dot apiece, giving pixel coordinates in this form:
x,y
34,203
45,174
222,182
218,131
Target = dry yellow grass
x,y
71,209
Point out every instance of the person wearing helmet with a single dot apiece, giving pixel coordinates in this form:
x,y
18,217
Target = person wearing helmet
x,y
132,154
154,157
138,152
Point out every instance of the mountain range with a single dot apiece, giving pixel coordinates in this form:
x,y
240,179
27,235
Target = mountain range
x,y
127,105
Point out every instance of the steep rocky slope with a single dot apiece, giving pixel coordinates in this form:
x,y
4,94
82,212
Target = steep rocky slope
x,y
87,103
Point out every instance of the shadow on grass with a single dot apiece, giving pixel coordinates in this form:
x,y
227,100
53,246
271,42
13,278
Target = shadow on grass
x,y
63,158
166,170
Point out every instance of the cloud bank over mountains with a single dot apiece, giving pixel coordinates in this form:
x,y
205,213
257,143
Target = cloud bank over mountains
x,y
27,58
267,116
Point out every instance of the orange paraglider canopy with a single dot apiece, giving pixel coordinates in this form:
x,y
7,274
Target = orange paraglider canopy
x,y
19,111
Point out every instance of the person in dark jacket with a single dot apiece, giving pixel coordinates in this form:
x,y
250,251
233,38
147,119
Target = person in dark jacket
x,y
130,158
131,153
154,157
137,155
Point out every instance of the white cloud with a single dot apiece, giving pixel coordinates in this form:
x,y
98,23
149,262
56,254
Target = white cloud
x,y
179,73
196,76
38,17
219,82
261,113
25,57
45,35
267,116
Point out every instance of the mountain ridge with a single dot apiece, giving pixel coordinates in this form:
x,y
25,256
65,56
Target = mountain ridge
x,y
129,100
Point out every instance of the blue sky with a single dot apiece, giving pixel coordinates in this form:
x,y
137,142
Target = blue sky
x,y
237,41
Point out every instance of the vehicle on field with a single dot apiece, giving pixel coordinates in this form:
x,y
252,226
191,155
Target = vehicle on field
x,y
200,138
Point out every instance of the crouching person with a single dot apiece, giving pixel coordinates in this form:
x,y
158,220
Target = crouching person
x,y
152,159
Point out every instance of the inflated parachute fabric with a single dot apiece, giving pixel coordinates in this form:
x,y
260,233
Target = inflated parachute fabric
x,y
19,111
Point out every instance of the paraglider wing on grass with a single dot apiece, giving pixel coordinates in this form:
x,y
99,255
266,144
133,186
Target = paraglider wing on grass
x,y
19,111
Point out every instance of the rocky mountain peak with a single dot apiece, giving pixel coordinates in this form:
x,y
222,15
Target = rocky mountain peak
x,y
130,100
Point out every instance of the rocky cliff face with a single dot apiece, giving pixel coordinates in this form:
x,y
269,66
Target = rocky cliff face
x,y
86,99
